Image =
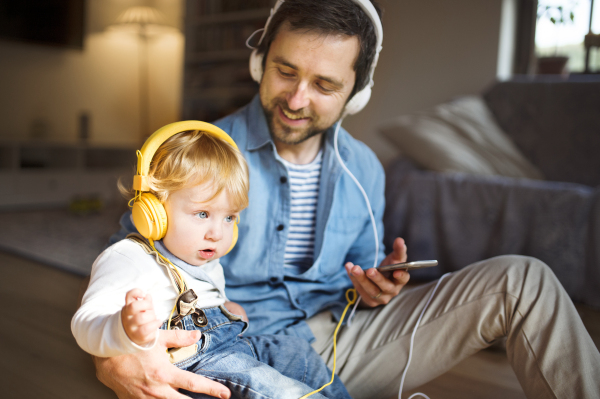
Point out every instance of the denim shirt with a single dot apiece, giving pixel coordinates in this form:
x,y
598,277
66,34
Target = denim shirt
x,y
276,302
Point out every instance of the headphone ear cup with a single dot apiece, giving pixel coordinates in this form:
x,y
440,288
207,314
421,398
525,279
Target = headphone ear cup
x,y
149,217
235,236
256,69
358,102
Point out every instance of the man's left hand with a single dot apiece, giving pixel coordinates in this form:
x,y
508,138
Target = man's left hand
x,y
237,309
376,288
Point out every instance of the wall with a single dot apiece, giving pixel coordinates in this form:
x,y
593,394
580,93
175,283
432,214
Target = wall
x,y
44,89
433,50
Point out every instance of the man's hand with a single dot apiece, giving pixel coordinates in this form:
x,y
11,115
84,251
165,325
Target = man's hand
x,y
376,288
149,374
138,318
237,309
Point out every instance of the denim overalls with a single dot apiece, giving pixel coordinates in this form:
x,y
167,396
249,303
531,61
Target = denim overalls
x,y
257,367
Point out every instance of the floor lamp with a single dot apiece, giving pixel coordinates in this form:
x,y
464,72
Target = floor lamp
x,y
142,20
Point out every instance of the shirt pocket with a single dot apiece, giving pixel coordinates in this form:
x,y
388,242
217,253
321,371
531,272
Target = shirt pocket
x,y
341,234
346,225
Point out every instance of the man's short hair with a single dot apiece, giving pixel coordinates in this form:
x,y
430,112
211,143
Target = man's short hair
x,y
329,17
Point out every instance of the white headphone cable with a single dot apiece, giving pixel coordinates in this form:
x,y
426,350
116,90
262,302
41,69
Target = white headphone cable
x,y
412,341
248,45
337,153
412,338
362,190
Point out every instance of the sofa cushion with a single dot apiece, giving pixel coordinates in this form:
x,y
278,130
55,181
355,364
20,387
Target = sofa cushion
x,y
459,136
555,124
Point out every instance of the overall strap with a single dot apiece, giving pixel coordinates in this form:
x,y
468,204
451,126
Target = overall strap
x,y
176,278
187,299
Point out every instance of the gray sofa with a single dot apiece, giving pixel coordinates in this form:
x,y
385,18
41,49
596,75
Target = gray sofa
x,y
460,218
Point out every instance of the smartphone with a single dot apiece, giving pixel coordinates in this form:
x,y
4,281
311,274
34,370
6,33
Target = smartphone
x,y
408,265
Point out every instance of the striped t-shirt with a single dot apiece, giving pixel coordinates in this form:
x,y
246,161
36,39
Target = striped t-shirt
x,y
304,189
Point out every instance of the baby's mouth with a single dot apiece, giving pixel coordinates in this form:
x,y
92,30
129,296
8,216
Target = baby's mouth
x,y
207,253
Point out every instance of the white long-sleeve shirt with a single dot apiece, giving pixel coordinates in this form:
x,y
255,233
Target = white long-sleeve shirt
x,y
97,325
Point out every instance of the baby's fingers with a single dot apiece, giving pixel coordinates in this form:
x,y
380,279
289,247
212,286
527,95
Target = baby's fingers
x,y
139,306
143,334
133,295
141,318
147,332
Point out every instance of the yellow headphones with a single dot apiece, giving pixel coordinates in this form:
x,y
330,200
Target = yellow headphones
x,y
149,215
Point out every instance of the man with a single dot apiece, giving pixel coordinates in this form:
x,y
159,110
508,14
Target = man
x,y
317,55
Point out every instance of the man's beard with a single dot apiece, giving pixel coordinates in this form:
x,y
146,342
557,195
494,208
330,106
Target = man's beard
x,y
286,134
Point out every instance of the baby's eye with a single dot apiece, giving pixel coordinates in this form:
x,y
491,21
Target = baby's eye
x,y
202,214
229,219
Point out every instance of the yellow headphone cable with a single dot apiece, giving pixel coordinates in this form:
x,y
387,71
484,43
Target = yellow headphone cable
x,y
179,282
351,298
176,278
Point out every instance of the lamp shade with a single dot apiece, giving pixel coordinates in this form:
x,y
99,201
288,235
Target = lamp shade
x,y
140,15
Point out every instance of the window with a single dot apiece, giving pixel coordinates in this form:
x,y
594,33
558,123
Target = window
x,y
561,28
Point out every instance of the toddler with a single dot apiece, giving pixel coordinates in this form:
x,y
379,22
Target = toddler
x,y
191,186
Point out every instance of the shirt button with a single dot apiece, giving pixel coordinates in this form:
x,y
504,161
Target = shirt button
x,y
273,280
283,179
280,227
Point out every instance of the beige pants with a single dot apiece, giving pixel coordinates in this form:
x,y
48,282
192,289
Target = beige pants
x,y
516,297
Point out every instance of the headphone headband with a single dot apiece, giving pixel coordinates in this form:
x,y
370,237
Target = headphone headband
x,y
371,12
145,155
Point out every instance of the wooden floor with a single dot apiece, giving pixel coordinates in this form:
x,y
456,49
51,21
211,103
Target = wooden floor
x,y
40,359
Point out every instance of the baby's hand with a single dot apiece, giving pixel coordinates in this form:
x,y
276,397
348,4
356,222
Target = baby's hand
x,y
139,320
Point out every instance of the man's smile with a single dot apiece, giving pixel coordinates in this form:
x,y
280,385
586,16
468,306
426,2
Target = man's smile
x,y
291,118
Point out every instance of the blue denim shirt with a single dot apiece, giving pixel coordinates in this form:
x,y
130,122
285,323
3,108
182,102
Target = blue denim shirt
x,y
254,270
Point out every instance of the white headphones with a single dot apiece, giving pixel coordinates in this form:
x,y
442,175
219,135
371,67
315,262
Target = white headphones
x,y
360,99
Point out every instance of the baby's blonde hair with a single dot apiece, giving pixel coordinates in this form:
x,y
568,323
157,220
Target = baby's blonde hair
x,y
194,157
